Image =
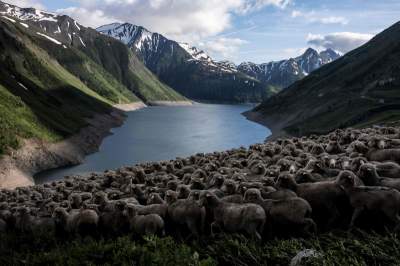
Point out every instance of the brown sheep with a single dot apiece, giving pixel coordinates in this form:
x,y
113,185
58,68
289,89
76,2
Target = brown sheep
x,y
233,217
384,155
327,199
385,200
187,212
149,224
286,212
388,169
370,177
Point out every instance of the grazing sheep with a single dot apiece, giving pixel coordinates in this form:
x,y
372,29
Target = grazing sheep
x,y
385,200
285,212
150,224
327,199
380,155
83,222
388,169
232,217
189,213
370,177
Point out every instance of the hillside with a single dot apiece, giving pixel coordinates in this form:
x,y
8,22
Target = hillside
x,y
187,69
39,98
103,64
359,89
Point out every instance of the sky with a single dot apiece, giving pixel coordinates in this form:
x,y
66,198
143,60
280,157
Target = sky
x,y
241,30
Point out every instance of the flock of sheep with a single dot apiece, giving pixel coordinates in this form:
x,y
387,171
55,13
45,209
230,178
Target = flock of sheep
x,y
289,187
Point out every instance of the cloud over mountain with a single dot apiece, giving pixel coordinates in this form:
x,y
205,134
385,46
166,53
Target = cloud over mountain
x,y
339,41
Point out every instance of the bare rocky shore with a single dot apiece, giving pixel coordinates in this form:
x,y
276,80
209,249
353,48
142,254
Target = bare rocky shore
x,y
18,168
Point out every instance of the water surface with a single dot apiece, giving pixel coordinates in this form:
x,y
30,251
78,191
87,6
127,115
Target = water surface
x,y
164,133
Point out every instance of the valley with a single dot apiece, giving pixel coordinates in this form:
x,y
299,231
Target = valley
x,y
205,132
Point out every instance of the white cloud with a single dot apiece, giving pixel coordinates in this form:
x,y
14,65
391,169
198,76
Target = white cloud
x,y
26,3
226,47
313,17
89,18
183,20
340,41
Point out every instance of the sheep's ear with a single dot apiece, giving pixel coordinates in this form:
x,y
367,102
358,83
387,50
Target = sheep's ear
x,y
362,162
208,196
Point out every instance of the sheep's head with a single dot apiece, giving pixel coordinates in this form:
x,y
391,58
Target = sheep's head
x,y
194,195
286,180
172,185
60,215
229,187
303,176
367,170
346,179
100,197
252,195
170,196
183,191
208,199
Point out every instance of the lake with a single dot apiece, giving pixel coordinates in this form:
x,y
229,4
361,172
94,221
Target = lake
x,y
164,133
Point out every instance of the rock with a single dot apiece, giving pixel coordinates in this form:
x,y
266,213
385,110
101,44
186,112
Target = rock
x,y
303,255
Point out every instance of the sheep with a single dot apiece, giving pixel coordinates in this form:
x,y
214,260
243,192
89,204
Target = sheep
x,y
150,224
385,200
388,169
381,155
155,198
183,191
23,220
233,199
233,217
285,212
370,177
187,212
328,201
84,221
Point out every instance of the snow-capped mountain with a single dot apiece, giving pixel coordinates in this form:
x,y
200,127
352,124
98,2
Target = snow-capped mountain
x,y
284,73
151,46
187,69
60,29
168,59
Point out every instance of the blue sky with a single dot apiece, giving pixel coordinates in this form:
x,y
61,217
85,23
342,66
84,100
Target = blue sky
x,y
242,30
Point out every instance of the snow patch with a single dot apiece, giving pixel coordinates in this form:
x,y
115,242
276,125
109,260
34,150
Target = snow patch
x,y
76,25
22,85
10,19
82,42
49,38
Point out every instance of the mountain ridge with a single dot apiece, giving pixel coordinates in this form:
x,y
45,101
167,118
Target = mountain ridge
x,y
166,57
358,89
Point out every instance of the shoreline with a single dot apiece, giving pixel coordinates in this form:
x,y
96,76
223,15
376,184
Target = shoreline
x,y
129,107
35,156
171,103
275,128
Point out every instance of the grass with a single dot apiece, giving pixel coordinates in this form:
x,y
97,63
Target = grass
x,y
18,120
336,248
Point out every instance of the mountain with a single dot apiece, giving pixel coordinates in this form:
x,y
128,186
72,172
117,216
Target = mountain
x,y
100,62
283,73
187,69
360,88
56,75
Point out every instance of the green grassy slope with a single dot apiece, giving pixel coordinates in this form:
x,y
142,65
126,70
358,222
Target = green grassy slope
x,y
38,97
118,60
359,89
